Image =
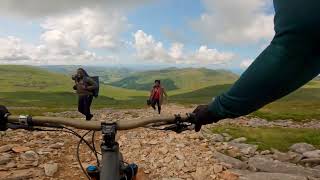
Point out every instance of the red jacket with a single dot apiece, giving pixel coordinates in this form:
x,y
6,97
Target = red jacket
x,y
162,92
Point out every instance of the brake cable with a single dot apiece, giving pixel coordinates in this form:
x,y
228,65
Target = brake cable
x,y
78,155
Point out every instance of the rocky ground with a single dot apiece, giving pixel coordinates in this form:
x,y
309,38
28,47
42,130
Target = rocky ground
x,y
161,155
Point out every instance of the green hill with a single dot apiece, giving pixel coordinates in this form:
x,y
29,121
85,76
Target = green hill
x,y
28,78
200,96
179,80
38,90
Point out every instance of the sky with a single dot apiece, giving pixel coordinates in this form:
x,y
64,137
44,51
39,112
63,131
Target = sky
x,y
225,34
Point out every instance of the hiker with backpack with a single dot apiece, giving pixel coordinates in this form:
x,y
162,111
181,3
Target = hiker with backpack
x,y
86,87
157,95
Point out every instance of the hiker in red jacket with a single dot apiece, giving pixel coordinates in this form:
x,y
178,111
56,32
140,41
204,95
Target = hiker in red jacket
x,y
156,95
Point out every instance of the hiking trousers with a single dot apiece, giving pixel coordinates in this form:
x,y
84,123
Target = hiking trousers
x,y
84,104
154,103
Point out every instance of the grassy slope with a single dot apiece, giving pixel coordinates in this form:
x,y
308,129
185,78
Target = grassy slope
x,y
267,138
185,80
27,78
26,86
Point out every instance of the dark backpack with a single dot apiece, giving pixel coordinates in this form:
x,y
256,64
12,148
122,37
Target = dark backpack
x,y
95,91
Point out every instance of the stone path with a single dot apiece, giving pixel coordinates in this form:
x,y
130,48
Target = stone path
x,y
161,155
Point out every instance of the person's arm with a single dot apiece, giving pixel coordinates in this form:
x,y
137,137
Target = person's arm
x,y
290,61
75,85
151,93
165,92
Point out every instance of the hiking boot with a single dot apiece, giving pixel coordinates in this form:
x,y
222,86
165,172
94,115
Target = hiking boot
x,y
89,117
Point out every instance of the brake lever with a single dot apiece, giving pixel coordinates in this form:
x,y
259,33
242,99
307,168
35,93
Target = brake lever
x,y
179,128
180,125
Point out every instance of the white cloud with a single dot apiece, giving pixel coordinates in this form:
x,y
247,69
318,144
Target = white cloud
x,y
232,22
246,63
40,8
97,29
67,39
12,49
212,56
147,48
176,51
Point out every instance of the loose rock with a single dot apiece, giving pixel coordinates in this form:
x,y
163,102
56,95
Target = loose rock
x,y
19,149
29,156
4,159
5,148
50,169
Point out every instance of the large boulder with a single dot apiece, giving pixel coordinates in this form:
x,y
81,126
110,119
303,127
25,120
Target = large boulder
x,y
235,163
312,154
272,176
245,149
292,157
302,147
247,175
268,165
239,140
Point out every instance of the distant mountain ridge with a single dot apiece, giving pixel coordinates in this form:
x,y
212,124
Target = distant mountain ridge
x,y
106,74
175,79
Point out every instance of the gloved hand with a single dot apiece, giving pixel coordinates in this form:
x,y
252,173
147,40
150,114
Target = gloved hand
x,y
3,123
203,116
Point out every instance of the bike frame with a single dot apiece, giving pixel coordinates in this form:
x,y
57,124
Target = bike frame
x,y
110,169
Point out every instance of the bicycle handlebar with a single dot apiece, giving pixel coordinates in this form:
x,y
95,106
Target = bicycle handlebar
x,y
95,125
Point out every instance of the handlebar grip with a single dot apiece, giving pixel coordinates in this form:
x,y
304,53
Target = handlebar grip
x,y
4,113
72,122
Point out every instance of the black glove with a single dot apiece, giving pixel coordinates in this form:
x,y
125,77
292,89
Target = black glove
x,y
3,119
203,116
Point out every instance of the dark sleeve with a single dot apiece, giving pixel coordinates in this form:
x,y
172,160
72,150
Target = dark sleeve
x,y
274,74
290,61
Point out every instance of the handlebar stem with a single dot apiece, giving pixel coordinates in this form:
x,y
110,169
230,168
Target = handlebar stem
x,y
109,131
